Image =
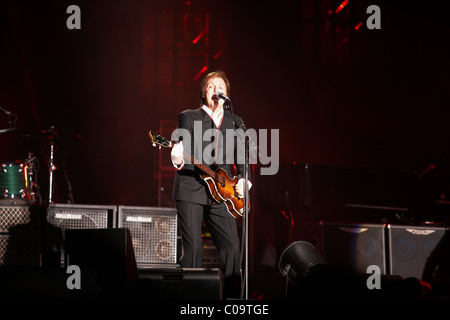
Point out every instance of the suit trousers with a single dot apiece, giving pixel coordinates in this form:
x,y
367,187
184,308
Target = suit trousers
x,y
223,229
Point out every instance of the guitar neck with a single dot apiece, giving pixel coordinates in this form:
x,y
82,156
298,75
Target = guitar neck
x,y
201,166
163,142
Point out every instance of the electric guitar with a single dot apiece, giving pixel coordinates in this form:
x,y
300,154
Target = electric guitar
x,y
220,185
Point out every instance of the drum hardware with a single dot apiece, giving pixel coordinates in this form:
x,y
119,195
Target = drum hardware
x,y
33,164
51,135
11,121
29,169
51,168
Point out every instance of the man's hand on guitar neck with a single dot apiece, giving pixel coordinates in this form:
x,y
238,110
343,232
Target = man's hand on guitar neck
x,y
177,155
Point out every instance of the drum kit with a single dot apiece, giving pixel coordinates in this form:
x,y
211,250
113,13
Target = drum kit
x,y
18,179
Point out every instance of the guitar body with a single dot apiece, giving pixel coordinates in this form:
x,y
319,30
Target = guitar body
x,y
223,191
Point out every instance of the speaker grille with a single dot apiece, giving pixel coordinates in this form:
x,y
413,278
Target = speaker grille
x,y
153,232
20,250
11,216
410,247
70,216
80,216
354,247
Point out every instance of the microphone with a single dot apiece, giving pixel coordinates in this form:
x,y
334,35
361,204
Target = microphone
x,y
220,95
227,104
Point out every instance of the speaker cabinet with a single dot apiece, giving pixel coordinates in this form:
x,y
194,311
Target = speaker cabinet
x,y
62,217
25,218
153,232
81,216
20,250
105,258
20,235
354,247
180,284
409,248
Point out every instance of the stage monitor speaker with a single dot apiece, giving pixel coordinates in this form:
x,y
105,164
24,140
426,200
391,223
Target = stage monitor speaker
x,y
154,234
354,247
180,284
107,254
410,247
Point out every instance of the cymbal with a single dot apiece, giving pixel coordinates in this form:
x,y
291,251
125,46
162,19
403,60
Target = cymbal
x,y
48,134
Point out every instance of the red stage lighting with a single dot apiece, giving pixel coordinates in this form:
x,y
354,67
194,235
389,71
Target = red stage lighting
x,y
358,26
202,71
197,39
341,6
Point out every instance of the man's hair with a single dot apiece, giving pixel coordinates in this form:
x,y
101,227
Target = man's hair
x,y
209,76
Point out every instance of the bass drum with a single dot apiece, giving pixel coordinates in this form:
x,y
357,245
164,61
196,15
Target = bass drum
x,y
15,184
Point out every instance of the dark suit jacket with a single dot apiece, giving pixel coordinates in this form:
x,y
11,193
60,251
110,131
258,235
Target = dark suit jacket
x,y
188,185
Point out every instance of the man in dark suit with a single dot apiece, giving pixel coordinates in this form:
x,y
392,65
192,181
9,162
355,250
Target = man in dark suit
x,y
192,198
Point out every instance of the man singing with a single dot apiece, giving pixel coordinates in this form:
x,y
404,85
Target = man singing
x,y
192,197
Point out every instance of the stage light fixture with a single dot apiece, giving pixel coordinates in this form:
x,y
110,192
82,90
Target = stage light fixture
x,y
300,261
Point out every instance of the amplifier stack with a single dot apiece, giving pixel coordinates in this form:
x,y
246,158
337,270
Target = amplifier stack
x,y
29,236
122,251
396,249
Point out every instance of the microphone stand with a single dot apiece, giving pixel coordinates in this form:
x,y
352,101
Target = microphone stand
x,y
246,211
244,253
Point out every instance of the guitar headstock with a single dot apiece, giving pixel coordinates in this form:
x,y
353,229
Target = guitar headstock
x,y
159,140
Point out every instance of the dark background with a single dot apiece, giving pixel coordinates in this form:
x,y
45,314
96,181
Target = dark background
x,y
372,99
